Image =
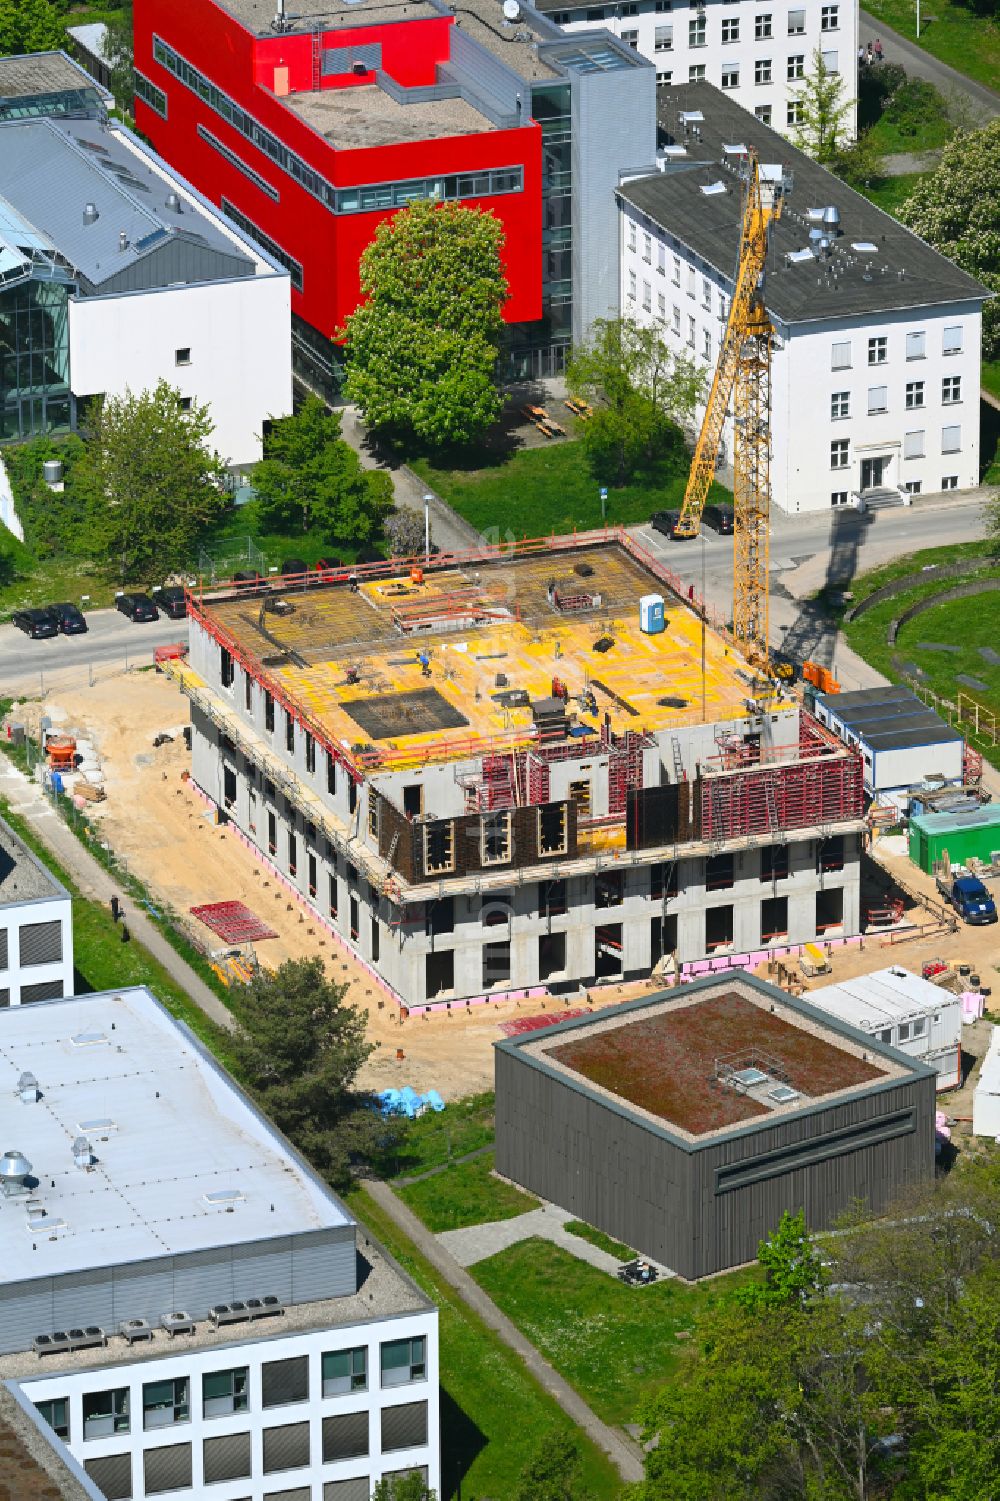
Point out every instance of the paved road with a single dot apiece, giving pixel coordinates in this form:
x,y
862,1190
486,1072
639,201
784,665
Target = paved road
x,y
623,1452
920,64
111,641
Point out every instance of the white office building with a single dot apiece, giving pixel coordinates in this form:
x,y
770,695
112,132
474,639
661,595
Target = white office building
x,y
36,928
184,1301
758,52
904,1011
117,274
875,372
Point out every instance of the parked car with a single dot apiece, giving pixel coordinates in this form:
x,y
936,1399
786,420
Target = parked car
x,y
138,607
35,623
294,573
329,571
68,618
171,600
719,518
969,897
665,522
249,581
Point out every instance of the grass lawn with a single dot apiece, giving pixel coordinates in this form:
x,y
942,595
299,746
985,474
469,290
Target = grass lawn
x,y
434,1139
991,377
615,1248
535,492
493,1413
891,192
931,134
465,1194
613,1343
966,41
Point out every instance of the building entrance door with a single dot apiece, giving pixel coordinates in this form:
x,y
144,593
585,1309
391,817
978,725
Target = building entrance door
x,y
873,473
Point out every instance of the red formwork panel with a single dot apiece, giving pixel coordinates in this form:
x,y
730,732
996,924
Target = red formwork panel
x,y
233,922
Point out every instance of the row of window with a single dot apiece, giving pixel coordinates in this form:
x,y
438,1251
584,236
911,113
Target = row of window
x,y
763,26
147,91
911,486
274,250
231,157
914,397
283,1382
914,447
730,79
841,352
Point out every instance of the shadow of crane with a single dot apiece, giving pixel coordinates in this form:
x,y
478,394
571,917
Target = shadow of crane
x,y
812,636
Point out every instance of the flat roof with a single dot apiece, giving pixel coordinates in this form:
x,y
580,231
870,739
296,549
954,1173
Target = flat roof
x,y
34,73
890,718
495,640
882,999
23,877
986,817
728,1053
176,1143
308,15
900,272
366,115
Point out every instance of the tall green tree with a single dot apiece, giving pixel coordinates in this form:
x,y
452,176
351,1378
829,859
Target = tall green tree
x,y
119,52
152,482
552,1472
423,348
642,394
298,1049
824,105
311,481
956,208
29,26
793,1272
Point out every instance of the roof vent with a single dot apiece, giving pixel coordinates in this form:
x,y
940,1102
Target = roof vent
x,y
122,240
14,1170
831,219
173,203
90,214
27,1088
83,1152
713,189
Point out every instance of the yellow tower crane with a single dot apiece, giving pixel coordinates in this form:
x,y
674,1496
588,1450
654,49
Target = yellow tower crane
x,y
743,374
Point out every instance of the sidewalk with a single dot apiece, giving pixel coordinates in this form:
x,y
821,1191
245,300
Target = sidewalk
x,y
93,881
921,64
477,1242
623,1452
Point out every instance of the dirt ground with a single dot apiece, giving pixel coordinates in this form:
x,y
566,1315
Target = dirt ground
x,y
168,836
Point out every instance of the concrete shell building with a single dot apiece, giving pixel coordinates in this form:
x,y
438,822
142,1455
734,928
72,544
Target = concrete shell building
x,y
685,1124
36,927
185,1303
473,774
875,372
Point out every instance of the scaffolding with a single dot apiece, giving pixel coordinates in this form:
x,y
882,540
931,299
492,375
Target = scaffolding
x,y
821,783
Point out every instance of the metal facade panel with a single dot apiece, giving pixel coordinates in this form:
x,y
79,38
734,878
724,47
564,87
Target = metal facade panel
x,y
83,1298
358,1489
227,1458
487,76
286,1447
144,1289
404,1427
201,1279
337,60
177,260
39,943
345,1435
25,1310
262,1269
323,1265
112,1474
284,1381
167,1469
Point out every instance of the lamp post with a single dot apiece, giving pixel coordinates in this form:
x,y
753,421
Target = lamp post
x,y
427,528
604,505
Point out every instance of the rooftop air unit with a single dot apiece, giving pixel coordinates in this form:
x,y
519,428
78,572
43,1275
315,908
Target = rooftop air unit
x,y
27,1088
90,213
83,1153
14,1170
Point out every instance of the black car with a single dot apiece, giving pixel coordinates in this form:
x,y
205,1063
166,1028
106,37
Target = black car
x,y
719,518
665,522
137,607
295,573
170,599
251,582
69,620
35,623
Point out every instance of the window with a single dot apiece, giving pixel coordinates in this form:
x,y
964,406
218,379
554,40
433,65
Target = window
x,y
919,1026
285,1381
289,732
631,38
345,1371
878,399
841,357
796,66
675,274
495,838
839,453
913,445
691,331
633,286
697,26
706,293
150,94
234,160
311,872
269,711
796,22
632,243
829,18
225,1392
496,965
661,306
105,1413
830,854
661,250
915,346
707,344
762,72
730,28
404,1360
762,27
773,918
913,486
951,390
186,403
664,39
551,898
696,73
949,482
552,834
904,1031
838,498
718,928
951,439
664,75
56,1413
248,694
345,1436
647,297
831,62
166,1402
952,342
439,847
719,872
166,1468
914,395
272,834
404,1427
551,955
840,405
647,249
355,918
286,1448
676,318
878,350
793,112
332,893
763,112
293,853
226,1458
730,75
182,356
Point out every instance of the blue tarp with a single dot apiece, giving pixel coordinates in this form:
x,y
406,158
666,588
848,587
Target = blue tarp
x,y
407,1102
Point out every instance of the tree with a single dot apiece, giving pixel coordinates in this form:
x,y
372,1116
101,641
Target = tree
x,y
956,208
119,53
405,531
642,395
423,348
823,107
552,1472
298,1048
411,1487
311,480
860,163
793,1272
151,481
29,26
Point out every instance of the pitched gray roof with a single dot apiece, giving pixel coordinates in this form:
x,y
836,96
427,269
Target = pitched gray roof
x,y
899,271
50,170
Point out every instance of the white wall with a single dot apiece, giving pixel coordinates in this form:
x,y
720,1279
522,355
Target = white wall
x,y
733,65
691,301
15,976
238,333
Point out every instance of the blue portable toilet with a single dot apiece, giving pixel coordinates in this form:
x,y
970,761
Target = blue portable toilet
x,y
652,617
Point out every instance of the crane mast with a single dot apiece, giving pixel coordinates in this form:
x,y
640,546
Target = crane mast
x,y
743,375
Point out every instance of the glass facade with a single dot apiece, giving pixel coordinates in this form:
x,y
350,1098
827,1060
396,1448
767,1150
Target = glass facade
x,y
538,349
80,103
34,360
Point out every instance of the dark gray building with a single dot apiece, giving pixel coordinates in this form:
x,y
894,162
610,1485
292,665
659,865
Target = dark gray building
x,y
685,1123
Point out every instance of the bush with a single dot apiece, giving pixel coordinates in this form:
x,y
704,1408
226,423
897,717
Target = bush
x,y
52,520
914,106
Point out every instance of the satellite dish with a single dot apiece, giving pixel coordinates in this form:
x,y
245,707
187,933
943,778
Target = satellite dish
x,y
511,10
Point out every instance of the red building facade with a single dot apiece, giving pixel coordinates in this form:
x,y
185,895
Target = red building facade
x,y
310,138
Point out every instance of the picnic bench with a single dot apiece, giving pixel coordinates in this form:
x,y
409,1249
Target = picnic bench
x,y
540,418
